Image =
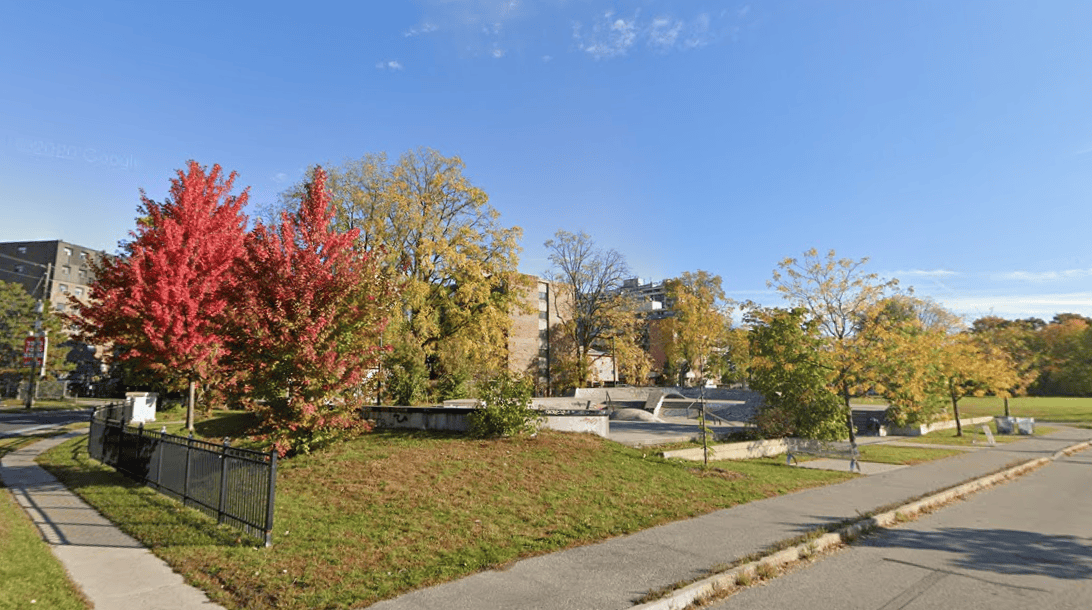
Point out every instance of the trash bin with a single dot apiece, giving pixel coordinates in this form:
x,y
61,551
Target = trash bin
x,y
1005,425
140,407
1025,425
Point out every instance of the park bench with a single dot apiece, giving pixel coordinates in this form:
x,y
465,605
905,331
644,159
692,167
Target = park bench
x,y
825,449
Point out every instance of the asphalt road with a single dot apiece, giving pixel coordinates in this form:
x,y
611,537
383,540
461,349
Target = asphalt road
x,y
17,421
1024,544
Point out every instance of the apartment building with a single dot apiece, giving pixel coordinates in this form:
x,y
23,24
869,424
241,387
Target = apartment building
x,y
529,340
49,270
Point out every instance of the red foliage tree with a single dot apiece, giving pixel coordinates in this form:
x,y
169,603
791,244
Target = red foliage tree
x,y
309,310
160,302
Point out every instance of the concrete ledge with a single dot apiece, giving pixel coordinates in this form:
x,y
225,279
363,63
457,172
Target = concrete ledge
x,y
683,597
454,419
733,451
940,425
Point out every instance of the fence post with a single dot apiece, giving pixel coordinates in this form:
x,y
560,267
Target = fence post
x,y
272,495
139,450
223,482
158,452
186,476
91,433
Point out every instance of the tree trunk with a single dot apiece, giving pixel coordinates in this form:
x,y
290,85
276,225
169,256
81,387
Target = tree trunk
x,y
1006,406
849,418
955,409
190,399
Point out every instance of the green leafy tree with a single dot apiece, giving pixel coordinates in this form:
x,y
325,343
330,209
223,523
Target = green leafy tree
x,y
1064,361
506,408
1019,342
792,369
17,318
837,294
20,316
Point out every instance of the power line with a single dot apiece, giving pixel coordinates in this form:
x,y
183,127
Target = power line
x,y
21,260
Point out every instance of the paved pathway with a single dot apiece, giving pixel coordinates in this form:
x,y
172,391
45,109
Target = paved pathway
x,y
615,573
114,570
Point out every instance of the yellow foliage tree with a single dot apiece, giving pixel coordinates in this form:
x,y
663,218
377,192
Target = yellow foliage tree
x,y
698,328
432,227
973,368
903,336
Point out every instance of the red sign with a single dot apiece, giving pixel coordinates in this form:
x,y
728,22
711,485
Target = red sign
x,y
33,351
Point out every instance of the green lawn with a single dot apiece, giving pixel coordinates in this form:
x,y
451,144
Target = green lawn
x,y
973,435
904,455
394,511
1052,409
30,576
8,405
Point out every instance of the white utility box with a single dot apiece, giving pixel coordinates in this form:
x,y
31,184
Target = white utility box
x,y
140,407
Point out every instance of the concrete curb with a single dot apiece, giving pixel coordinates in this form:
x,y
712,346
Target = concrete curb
x,y
683,597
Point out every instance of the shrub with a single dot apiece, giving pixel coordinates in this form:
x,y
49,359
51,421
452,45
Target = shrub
x,y
506,408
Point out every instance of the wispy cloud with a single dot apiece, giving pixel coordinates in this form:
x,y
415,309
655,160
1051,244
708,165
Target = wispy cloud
x,y
608,37
389,65
280,177
424,28
1042,276
611,36
924,273
664,32
1019,305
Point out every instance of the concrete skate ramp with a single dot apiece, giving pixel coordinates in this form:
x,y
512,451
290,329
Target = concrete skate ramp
x,y
633,415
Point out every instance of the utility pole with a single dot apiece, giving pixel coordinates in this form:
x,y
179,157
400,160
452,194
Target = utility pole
x,y
37,346
614,358
40,342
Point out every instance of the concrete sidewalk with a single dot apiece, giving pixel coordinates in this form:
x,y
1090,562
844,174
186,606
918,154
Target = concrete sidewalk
x,y
614,573
115,571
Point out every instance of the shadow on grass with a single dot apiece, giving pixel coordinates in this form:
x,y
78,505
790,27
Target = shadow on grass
x,y
234,424
138,510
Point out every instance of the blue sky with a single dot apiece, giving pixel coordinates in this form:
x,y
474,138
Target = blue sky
x,y
950,142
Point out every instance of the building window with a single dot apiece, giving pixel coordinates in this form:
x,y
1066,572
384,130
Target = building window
x,y
66,270
20,268
22,249
83,274
78,291
58,307
542,315
68,252
83,256
63,288
542,296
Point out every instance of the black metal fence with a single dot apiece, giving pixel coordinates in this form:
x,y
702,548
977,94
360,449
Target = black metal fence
x,y
235,486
